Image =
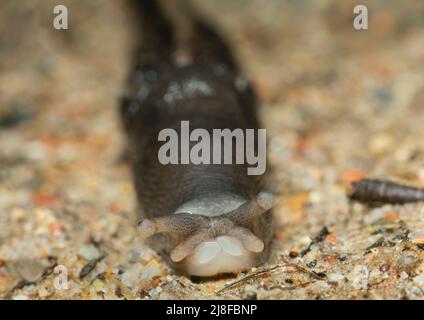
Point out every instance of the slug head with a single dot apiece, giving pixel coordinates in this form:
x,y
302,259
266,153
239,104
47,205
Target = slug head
x,y
213,245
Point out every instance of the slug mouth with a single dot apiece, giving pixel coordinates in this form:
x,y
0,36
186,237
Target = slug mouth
x,y
224,254
213,245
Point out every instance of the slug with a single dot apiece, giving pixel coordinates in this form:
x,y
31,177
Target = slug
x,y
204,219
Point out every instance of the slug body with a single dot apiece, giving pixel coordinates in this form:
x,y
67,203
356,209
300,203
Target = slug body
x,y
205,219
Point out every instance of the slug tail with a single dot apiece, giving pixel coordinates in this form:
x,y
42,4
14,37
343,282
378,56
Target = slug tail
x,y
156,33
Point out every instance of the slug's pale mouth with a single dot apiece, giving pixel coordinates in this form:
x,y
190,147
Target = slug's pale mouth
x,y
210,246
221,255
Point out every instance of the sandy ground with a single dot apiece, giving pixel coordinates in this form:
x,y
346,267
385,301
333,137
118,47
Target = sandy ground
x,y
337,103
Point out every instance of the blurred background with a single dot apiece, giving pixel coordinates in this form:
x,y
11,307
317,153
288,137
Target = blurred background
x,y
337,102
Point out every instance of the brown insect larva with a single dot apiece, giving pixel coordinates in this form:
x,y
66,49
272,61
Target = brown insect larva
x,y
379,191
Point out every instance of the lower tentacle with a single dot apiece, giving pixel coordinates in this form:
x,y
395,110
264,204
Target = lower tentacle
x,y
248,239
187,246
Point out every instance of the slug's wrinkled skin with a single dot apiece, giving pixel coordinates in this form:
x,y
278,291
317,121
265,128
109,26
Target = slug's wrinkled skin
x,y
204,219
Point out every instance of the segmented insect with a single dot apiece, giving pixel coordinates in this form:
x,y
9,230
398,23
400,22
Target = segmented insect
x,y
381,191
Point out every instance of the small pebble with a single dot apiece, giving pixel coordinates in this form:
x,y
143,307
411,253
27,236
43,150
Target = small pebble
x,y
335,277
312,264
359,277
381,143
403,275
319,286
419,280
250,295
293,254
88,252
416,236
375,276
29,269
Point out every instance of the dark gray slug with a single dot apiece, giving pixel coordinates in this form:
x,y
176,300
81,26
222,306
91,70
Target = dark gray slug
x,y
204,219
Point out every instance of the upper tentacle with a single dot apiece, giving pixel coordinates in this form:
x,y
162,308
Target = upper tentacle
x,y
245,214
